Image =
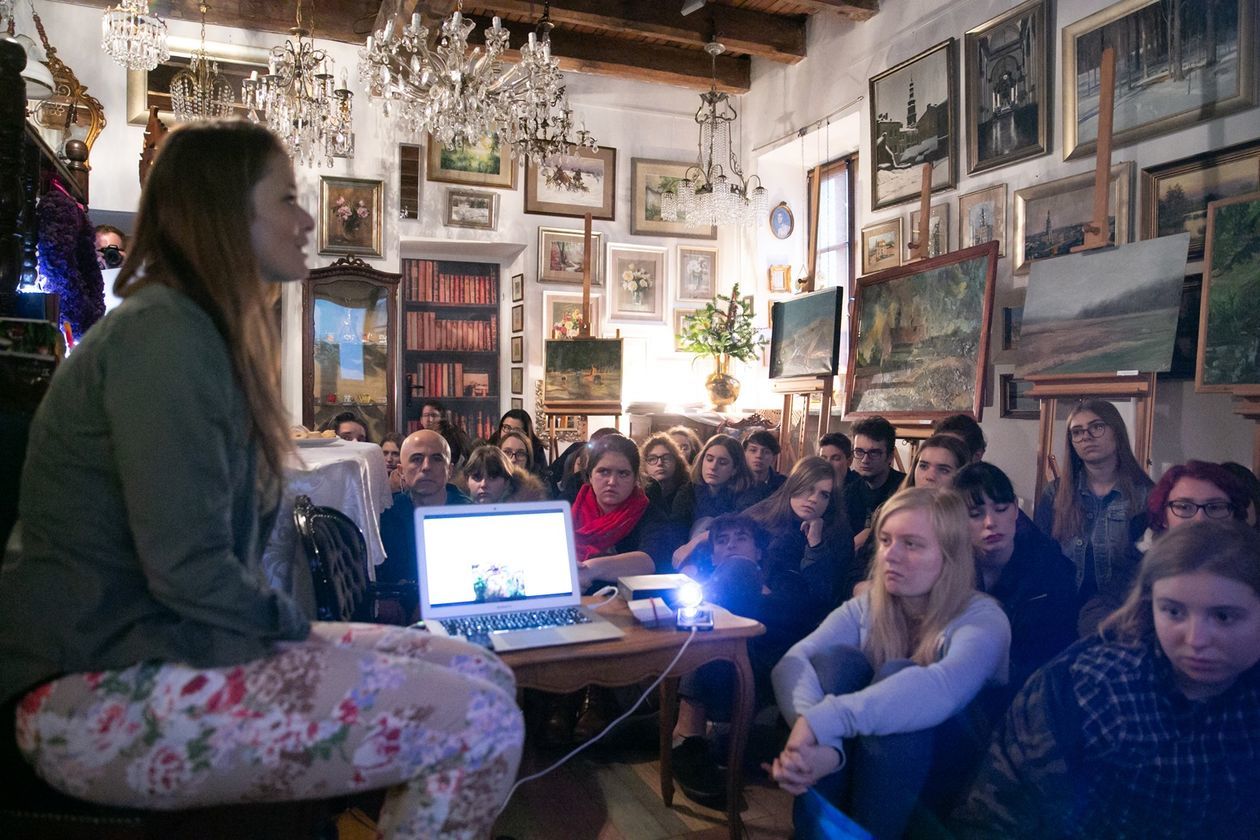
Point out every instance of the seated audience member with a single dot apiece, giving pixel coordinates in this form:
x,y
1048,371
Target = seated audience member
x,y
616,530
964,426
873,442
458,440
518,420
937,462
569,471
688,441
432,413
837,449
349,426
665,470
1096,509
516,446
111,246
1152,727
718,477
144,661
1196,491
1252,485
391,448
888,678
761,451
426,467
491,478
1023,569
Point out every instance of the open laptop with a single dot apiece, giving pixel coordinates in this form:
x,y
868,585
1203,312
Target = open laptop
x,y
503,576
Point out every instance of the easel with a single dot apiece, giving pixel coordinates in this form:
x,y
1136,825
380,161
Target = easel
x,y
918,249
792,448
584,334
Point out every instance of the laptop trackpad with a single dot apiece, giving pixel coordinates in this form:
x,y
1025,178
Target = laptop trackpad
x,y
550,636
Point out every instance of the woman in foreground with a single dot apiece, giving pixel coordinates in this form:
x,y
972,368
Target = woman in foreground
x,y
169,675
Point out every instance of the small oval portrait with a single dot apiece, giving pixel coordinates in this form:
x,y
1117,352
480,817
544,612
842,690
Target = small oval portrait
x,y
781,221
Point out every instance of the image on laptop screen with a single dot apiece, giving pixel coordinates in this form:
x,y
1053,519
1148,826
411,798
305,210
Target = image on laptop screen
x,y
480,557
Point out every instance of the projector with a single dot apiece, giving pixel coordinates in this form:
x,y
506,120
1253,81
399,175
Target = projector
x,y
665,587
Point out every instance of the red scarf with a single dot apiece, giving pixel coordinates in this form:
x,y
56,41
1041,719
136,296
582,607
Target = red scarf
x,y
596,532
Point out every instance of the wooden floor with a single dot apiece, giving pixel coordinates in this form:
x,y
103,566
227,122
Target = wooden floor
x,y
612,792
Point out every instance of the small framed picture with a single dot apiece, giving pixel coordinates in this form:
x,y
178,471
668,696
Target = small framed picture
x,y
881,246
982,217
1012,320
938,229
636,288
780,278
697,272
562,315
472,209
518,288
518,403
518,317
1015,402
518,380
781,221
518,349
679,315
350,216
560,253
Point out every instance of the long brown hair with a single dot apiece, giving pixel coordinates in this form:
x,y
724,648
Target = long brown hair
x,y
892,635
952,444
193,234
1129,474
740,481
775,511
680,462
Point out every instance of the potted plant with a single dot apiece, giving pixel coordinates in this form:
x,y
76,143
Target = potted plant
x,y
724,330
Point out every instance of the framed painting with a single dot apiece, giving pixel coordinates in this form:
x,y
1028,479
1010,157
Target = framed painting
x,y
582,375
805,335
697,272
408,181
147,88
518,317
518,288
518,381
920,338
881,246
1008,73
779,279
982,217
1177,64
350,216
562,315
1186,345
1050,218
517,402
560,256
518,349
1014,402
636,288
480,164
680,315
912,123
1175,195
781,221
574,185
648,180
938,228
472,209
1229,322
1012,322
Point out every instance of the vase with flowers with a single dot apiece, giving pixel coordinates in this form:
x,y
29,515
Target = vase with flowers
x,y
636,281
722,330
351,215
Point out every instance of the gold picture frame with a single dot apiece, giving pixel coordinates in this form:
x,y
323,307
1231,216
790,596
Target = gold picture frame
x,y
881,246
481,164
1071,198
779,279
351,217
648,180
146,88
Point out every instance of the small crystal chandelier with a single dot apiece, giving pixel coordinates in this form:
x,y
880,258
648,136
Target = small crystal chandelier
x,y
133,37
300,101
715,191
198,92
461,95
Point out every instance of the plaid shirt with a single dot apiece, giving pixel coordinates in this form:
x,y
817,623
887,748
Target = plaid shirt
x,y
1101,744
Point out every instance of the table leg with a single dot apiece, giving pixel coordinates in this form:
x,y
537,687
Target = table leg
x,y
741,722
669,717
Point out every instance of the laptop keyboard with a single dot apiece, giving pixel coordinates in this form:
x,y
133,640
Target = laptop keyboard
x,y
477,629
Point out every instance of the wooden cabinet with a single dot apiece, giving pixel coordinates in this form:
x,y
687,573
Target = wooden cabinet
x,y
451,341
349,340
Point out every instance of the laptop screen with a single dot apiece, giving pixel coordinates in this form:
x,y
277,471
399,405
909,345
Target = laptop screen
x,y
487,557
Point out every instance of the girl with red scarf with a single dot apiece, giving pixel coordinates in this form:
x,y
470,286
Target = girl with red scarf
x,y
617,532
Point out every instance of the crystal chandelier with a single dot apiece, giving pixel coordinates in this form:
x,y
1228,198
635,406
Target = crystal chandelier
x,y
715,191
461,95
198,92
133,37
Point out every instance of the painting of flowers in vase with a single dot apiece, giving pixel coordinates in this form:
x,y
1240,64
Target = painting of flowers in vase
x,y
350,216
636,283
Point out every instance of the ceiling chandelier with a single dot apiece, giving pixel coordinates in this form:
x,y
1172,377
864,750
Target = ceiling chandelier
x,y
715,191
133,37
198,92
462,95
300,101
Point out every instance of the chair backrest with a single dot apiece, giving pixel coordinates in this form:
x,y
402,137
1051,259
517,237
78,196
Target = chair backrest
x,y
337,554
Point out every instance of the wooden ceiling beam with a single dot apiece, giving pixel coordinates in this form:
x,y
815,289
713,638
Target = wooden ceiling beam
x,y
853,9
774,37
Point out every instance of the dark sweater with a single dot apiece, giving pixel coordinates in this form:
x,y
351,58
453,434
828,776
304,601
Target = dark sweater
x,y
398,535
697,503
861,500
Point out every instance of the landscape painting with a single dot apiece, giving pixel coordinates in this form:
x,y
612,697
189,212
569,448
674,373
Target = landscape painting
x,y
1175,195
560,254
1104,311
1050,218
938,229
1177,63
982,217
649,180
912,123
804,338
574,185
482,163
881,246
583,374
921,340
1229,326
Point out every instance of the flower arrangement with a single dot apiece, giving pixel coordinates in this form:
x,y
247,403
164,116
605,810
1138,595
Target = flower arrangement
x,y
350,215
636,281
724,327
570,323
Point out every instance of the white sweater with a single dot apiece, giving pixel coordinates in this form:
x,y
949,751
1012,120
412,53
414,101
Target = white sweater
x,y
975,650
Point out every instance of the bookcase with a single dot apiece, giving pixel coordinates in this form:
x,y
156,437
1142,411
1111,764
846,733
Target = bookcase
x,y
451,341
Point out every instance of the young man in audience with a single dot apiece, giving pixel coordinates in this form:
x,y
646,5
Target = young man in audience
x,y
965,427
837,449
761,451
349,426
873,442
432,413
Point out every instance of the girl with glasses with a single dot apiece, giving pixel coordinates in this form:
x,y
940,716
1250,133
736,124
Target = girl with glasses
x,y
518,420
665,471
1097,509
1196,491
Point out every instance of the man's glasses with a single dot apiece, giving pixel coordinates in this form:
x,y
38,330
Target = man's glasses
x,y
1093,430
863,454
1215,509
659,459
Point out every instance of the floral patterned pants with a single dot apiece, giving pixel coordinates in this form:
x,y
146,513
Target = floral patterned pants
x,y
355,707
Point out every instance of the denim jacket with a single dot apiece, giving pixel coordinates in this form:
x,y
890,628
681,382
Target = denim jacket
x,y
1108,525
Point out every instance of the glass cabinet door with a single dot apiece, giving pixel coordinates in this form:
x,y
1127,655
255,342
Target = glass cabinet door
x,y
348,361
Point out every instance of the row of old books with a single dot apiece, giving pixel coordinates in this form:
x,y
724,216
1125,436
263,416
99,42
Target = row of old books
x,y
478,423
426,331
423,282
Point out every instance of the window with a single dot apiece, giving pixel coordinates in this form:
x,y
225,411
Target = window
x,y
833,261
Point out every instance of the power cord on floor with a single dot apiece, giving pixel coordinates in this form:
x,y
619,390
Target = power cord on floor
x,y
609,727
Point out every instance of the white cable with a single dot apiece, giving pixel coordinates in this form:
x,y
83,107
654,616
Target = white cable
x,y
609,592
607,728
